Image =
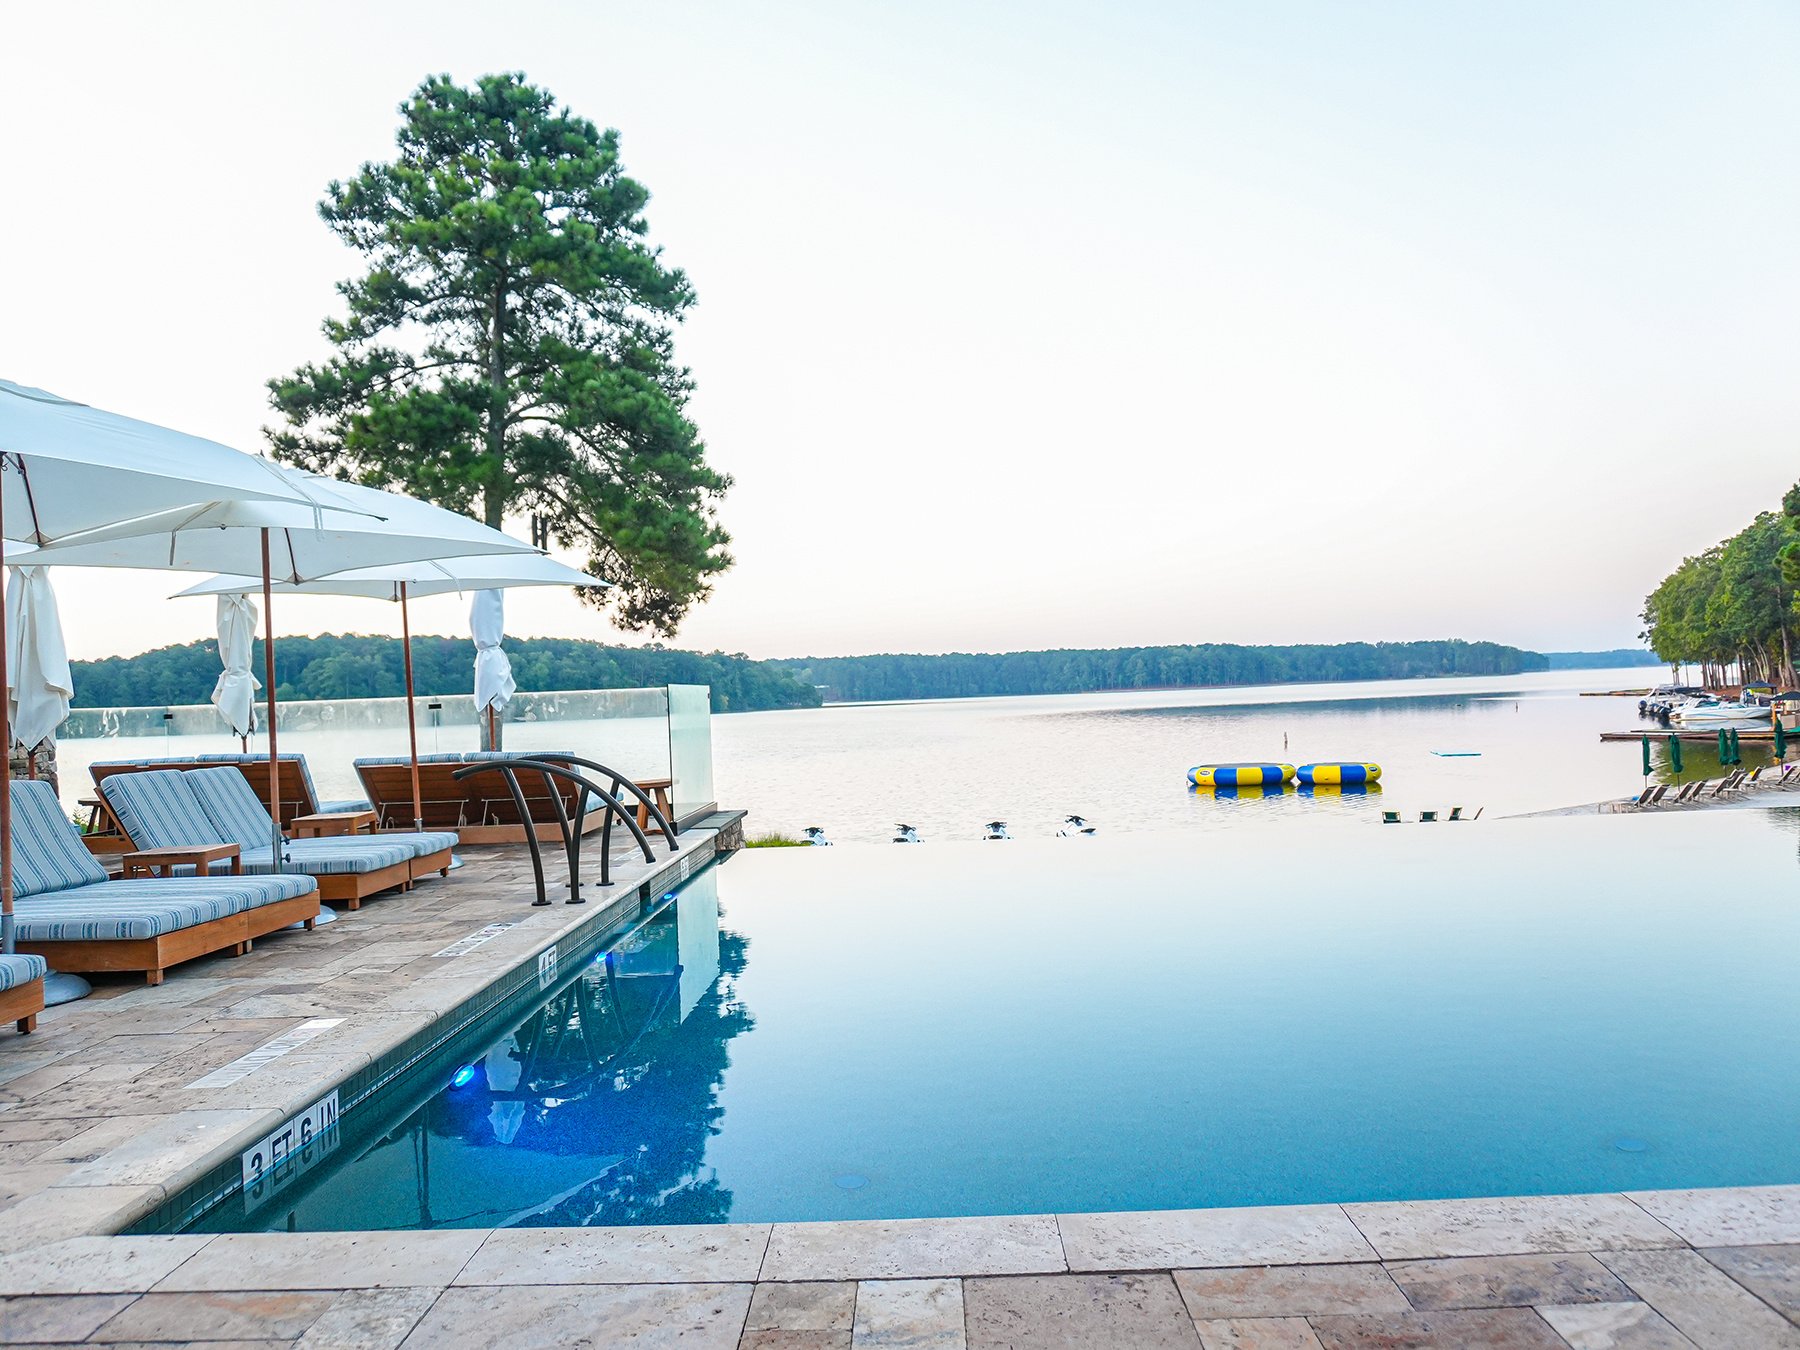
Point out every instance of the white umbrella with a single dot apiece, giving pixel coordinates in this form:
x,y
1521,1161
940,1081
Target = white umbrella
x,y
404,581
39,685
235,693
494,684
359,527
77,468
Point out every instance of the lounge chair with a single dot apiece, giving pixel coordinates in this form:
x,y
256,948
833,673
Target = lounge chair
x,y
480,809
293,781
68,913
1657,793
177,808
22,991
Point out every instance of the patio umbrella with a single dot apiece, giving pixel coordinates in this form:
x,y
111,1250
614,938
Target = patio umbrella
x,y
1780,739
75,468
348,526
405,581
39,685
235,693
494,684
1646,757
1675,753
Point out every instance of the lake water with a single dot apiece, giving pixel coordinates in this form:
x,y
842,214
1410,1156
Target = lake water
x,y
947,766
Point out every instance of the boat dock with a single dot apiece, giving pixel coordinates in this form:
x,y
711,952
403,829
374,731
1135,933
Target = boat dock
x,y
1696,734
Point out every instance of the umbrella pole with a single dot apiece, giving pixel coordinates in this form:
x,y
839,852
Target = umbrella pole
x,y
412,719
269,691
6,853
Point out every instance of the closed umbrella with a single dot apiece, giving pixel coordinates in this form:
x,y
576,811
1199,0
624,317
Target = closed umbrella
x,y
75,468
349,526
1646,756
1675,753
1724,748
494,684
39,685
404,581
235,693
1780,739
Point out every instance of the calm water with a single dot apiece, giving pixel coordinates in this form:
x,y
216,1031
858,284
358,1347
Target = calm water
x,y
1569,1004
947,766
1122,759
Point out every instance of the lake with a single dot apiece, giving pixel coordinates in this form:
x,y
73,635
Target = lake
x,y
1526,743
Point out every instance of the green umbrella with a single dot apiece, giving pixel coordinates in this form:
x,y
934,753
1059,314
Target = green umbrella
x,y
1780,740
1675,752
1724,748
1737,753
1646,756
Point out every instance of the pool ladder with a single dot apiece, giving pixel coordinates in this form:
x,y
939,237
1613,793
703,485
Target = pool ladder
x,y
586,789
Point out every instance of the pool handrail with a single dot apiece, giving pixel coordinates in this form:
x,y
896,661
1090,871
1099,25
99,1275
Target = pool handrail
x,y
571,830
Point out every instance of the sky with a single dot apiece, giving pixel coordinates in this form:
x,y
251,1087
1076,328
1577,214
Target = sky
x,y
1020,325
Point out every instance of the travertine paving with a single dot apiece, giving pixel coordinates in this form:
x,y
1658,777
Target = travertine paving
x,y
107,1109
1640,1283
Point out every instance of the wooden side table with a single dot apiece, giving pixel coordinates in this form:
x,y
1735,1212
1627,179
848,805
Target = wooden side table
x,y
323,823
658,788
162,862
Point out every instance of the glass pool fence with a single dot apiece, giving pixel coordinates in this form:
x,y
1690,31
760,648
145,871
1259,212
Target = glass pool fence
x,y
664,732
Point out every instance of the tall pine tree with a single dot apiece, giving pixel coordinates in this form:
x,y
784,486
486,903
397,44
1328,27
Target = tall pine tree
x,y
509,352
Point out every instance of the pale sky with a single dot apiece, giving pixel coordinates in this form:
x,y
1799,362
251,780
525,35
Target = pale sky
x,y
1021,325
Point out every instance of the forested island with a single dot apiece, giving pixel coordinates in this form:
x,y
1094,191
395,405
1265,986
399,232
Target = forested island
x,y
966,675
355,666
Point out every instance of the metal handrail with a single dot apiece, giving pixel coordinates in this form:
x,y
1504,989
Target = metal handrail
x,y
504,767
571,830
619,780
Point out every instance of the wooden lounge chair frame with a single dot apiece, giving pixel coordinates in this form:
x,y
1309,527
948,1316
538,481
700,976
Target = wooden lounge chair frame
x,y
21,1005
350,889
480,812
154,955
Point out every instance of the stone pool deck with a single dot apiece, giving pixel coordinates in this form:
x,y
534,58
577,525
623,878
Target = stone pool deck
x,y
121,1101
1715,1269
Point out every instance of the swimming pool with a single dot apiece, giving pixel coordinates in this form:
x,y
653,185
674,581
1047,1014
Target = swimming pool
x,y
1510,1007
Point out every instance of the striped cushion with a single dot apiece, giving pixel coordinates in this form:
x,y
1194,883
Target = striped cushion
x,y
335,855
344,804
389,761
424,841
146,907
158,809
482,756
48,854
232,806
18,970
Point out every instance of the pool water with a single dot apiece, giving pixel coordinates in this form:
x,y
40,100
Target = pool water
x,y
1555,1005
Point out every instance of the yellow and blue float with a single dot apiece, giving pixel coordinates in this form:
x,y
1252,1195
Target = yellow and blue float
x,y
1339,774
1239,775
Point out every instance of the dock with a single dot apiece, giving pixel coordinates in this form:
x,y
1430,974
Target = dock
x,y
1750,734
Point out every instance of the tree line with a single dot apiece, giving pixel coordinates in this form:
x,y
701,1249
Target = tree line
x,y
1734,606
965,675
356,666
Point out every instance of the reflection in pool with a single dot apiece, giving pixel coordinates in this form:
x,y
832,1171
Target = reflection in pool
x,y
1503,1008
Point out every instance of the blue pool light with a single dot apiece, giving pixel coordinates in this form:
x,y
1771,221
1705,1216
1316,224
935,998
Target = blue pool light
x,y
463,1076
850,1181
1629,1145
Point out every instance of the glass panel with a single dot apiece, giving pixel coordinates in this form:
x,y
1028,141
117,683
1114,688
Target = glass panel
x,y
690,747
626,729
